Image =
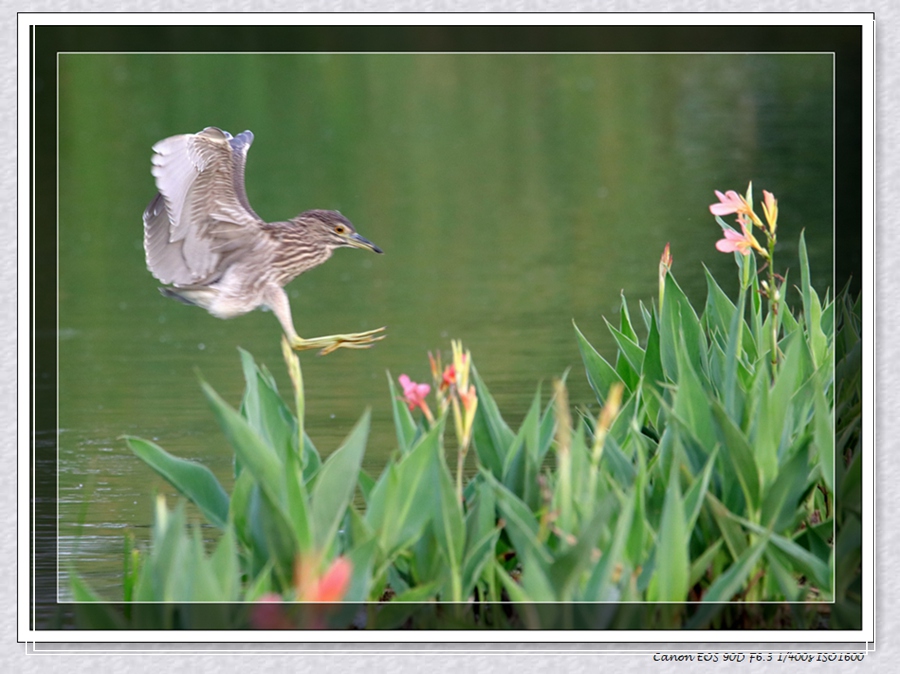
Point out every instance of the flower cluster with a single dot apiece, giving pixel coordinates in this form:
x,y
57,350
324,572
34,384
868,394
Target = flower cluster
x,y
452,388
733,203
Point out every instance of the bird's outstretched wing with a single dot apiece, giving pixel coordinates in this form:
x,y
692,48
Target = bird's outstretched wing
x,y
201,216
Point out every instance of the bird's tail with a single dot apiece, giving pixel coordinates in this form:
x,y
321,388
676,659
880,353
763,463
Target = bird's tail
x,y
189,296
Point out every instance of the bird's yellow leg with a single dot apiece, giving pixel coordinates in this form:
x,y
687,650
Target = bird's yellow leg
x,y
278,302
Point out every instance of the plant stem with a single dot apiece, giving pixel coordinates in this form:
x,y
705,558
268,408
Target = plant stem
x,y
773,301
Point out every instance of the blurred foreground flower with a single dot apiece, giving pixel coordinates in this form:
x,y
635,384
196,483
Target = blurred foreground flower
x,y
327,587
270,613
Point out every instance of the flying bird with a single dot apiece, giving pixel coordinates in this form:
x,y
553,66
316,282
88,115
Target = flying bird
x,y
210,249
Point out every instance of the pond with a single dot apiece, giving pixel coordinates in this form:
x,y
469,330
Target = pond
x,y
511,193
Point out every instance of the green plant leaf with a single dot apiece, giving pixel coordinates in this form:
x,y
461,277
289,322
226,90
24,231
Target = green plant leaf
x,y
521,524
399,505
490,433
695,496
601,375
225,567
670,581
449,526
737,450
514,590
362,561
679,328
91,610
625,326
805,562
652,375
256,455
732,533
336,482
692,404
598,586
535,579
812,308
783,577
272,536
193,480
733,580
823,429
632,352
522,463
703,561
264,409
779,505
478,554
299,508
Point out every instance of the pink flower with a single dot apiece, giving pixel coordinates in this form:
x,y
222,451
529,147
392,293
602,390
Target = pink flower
x,y
733,241
730,202
414,394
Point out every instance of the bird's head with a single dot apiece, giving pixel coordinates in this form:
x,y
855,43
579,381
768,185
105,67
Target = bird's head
x,y
332,230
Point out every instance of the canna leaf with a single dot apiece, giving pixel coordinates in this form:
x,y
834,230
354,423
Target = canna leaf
x,y
195,481
335,484
601,375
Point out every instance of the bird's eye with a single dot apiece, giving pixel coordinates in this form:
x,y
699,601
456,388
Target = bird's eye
x,y
340,229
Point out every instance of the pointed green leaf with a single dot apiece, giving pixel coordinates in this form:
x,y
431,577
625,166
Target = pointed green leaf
x,y
478,554
399,505
490,433
732,533
601,375
193,480
521,524
780,503
738,452
448,522
734,579
625,326
633,353
599,586
336,482
670,581
257,456
703,561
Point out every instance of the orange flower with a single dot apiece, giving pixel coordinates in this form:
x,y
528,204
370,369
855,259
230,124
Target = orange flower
x,y
448,378
329,587
770,210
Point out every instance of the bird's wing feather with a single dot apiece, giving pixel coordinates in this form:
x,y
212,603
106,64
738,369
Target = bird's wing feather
x,y
201,212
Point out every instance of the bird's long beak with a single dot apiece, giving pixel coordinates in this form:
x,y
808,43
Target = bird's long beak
x,y
357,241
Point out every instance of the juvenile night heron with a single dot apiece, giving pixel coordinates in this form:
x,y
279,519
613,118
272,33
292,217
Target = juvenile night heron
x,y
202,237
